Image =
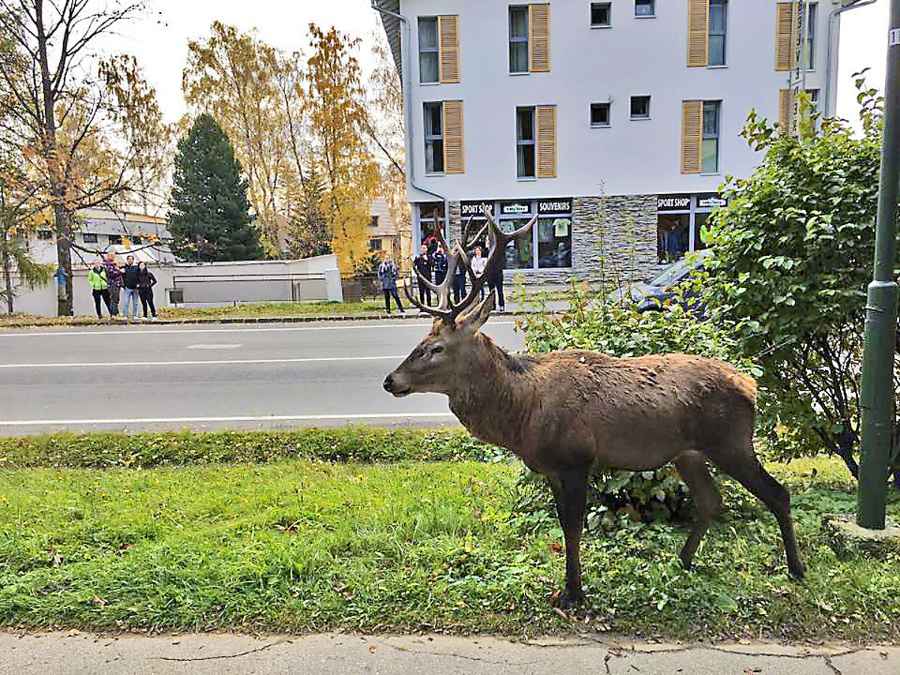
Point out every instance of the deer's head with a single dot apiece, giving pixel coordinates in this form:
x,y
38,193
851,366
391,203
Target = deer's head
x,y
437,363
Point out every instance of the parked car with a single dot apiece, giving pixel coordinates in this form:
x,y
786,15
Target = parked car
x,y
650,295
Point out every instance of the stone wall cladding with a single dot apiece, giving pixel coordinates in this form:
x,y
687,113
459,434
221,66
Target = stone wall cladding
x,y
454,222
613,241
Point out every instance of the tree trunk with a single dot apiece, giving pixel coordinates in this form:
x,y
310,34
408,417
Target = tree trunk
x,y
64,304
7,271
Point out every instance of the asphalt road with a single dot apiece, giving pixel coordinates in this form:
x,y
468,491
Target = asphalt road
x,y
258,376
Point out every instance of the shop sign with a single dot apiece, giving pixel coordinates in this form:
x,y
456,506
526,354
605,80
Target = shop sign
x,y
710,201
554,206
515,208
469,209
673,203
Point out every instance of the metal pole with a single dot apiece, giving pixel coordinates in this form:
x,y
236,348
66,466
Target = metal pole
x,y
881,309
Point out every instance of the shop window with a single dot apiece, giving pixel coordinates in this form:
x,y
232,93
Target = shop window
x,y
701,232
431,217
45,234
519,253
672,236
115,239
554,235
89,237
601,14
137,240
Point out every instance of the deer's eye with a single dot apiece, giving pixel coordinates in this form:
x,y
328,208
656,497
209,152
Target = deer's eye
x,y
437,349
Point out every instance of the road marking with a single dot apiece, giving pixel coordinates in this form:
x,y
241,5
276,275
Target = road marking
x,y
175,331
214,346
129,364
240,418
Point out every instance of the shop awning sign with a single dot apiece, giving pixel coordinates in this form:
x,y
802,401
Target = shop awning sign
x,y
515,208
554,206
710,201
673,203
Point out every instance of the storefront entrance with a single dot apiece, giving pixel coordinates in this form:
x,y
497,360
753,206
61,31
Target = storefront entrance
x,y
682,223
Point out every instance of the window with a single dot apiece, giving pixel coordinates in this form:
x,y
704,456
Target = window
x,y
529,38
717,24
554,236
373,221
809,55
644,8
89,237
525,147
640,107
115,239
428,49
434,139
44,234
374,244
518,39
599,114
601,14
709,156
137,240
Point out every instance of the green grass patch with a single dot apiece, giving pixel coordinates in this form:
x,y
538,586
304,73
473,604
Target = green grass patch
x,y
299,544
252,309
149,448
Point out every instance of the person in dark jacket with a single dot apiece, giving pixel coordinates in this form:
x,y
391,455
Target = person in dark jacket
x,y
422,264
459,282
439,260
146,282
113,281
495,278
387,278
130,288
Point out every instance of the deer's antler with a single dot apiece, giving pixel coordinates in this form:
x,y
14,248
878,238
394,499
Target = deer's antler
x,y
446,309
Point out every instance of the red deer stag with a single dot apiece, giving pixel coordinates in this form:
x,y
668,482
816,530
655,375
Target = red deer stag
x,y
564,412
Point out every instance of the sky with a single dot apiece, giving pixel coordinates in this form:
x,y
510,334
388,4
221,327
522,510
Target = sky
x,y
161,46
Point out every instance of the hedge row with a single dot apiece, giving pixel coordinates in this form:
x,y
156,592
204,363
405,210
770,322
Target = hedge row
x,y
175,448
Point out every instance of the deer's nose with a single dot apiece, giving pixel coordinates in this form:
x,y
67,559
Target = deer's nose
x,y
388,383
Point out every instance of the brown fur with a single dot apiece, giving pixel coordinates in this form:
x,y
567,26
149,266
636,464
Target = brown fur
x,y
565,412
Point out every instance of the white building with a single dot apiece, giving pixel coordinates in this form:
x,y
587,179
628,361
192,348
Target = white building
x,y
616,121
102,230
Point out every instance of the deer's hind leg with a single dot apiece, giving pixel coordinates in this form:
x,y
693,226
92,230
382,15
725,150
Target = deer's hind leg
x,y
707,500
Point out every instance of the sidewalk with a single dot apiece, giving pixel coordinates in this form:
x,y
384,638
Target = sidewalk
x,y
328,653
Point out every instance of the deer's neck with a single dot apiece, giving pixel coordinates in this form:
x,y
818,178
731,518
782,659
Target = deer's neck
x,y
492,397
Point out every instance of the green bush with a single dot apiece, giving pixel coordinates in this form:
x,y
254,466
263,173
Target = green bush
x,y
617,497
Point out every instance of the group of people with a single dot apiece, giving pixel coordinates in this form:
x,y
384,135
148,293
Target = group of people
x,y
432,265
111,283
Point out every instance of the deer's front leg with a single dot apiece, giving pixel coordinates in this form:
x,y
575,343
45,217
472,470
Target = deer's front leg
x,y
570,492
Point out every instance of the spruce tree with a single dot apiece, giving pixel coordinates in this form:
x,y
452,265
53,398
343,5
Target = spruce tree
x,y
210,214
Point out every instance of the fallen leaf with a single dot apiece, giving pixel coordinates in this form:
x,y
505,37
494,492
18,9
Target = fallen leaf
x,y
560,612
372,648
74,632
555,547
176,641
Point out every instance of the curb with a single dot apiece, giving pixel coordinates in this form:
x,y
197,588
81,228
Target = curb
x,y
308,318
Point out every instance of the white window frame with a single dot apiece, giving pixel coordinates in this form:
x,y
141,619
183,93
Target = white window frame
x,y
602,5
518,40
723,33
524,142
641,3
717,136
631,102
432,138
602,125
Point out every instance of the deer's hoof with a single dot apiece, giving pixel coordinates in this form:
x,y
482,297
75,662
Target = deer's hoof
x,y
568,599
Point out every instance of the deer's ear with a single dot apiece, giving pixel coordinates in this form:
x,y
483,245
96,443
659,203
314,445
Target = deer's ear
x,y
475,318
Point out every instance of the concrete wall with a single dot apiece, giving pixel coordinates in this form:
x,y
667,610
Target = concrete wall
x,y
213,283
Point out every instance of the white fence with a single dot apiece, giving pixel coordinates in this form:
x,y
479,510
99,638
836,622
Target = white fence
x,y
224,283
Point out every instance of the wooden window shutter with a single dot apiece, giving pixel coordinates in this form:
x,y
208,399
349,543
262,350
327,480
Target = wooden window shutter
x,y
786,103
539,38
448,46
454,157
698,33
546,141
785,32
691,135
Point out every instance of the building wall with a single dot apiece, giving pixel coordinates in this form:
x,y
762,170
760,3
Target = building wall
x,y
636,56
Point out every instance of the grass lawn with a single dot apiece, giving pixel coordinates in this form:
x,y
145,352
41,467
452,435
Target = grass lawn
x,y
299,544
255,309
